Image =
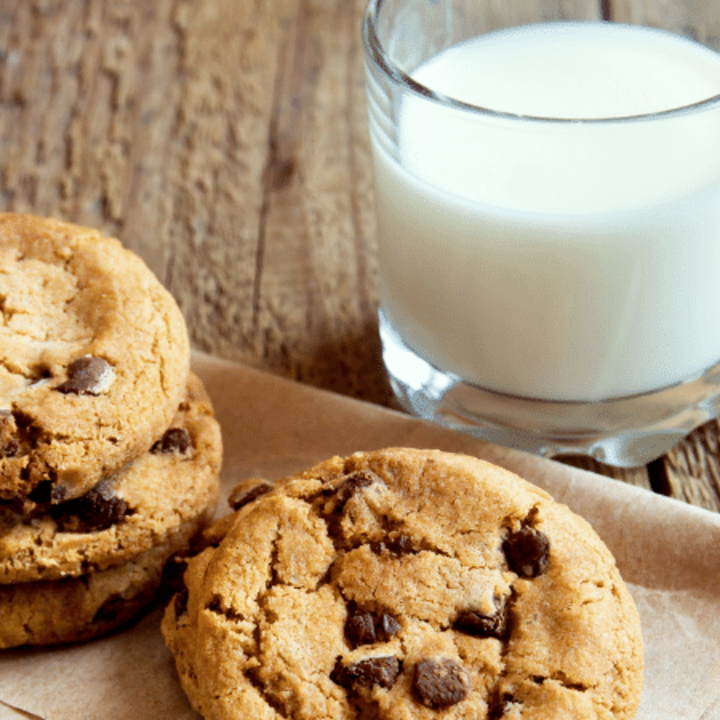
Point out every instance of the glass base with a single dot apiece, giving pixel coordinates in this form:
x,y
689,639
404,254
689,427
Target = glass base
x,y
625,432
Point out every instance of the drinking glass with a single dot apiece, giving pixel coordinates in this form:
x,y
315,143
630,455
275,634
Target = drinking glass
x,y
548,207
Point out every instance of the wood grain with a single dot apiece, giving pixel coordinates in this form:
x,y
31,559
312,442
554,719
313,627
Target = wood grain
x,y
634,476
696,19
691,470
226,143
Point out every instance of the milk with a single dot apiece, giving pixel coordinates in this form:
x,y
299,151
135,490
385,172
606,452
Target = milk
x,y
557,260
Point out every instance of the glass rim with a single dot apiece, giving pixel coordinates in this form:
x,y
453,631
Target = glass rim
x,y
375,52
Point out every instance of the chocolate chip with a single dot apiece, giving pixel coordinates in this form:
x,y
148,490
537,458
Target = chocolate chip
x,y
365,628
382,671
527,552
472,622
174,440
244,495
360,629
386,627
354,482
398,545
99,508
440,683
87,375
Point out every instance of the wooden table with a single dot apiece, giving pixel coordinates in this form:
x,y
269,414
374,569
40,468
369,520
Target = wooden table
x,y
225,141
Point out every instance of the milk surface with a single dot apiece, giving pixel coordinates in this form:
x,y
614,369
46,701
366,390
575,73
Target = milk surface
x,y
558,260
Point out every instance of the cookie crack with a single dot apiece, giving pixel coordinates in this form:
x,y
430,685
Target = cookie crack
x,y
33,375
400,544
501,701
274,577
252,676
5,311
217,607
329,503
564,681
264,613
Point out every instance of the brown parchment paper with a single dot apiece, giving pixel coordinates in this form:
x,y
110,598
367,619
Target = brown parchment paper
x,y
668,552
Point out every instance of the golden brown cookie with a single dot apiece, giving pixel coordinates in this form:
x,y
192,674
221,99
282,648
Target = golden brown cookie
x,y
86,607
148,502
94,355
404,584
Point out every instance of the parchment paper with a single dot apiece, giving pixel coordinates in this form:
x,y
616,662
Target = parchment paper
x,y
668,553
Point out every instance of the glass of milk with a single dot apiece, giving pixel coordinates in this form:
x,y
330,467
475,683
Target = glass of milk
x,y
548,206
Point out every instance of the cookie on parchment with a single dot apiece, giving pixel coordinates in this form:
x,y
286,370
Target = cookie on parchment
x,y
83,608
148,502
94,355
404,584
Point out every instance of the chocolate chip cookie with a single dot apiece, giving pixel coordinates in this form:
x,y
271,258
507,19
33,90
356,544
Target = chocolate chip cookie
x,y
148,502
94,355
83,608
403,584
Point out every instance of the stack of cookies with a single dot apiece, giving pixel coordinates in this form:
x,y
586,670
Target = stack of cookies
x,y
406,584
109,450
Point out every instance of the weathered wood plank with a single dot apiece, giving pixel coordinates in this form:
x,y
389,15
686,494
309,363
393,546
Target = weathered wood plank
x,y
692,469
215,166
634,476
85,88
317,284
495,14
697,19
